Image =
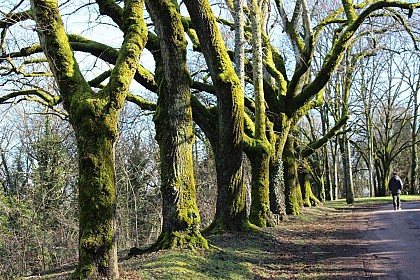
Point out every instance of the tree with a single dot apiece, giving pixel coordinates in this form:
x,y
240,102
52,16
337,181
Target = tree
x,y
391,132
173,119
410,74
39,204
257,147
297,95
94,117
230,208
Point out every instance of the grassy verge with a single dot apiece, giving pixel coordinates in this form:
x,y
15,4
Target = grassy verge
x,y
341,203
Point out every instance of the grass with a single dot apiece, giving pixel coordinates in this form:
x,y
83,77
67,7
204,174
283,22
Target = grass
x,y
341,203
215,263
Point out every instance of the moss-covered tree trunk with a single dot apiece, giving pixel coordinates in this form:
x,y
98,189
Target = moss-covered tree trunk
x,y
277,181
260,213
294,201
230,205
174,131
94,117
258,147
259,157
276,188
97,194
309,199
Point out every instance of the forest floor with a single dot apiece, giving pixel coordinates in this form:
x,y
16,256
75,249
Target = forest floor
x,y
322,243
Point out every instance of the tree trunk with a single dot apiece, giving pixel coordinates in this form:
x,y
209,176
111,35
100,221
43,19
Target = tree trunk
x,y
97,196
321,189
348,177
328,178
181,219
258,147
276,188
326,159
230,206
308,197
414,156
294,201
334,151
239,40
174,131
260,213
94,117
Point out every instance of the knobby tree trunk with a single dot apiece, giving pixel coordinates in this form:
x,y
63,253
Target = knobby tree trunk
x,y
260,213
174,131
94,117
97,195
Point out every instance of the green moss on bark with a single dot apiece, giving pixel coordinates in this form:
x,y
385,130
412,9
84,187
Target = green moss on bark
x,y
174,132
230,206
293,192
259,153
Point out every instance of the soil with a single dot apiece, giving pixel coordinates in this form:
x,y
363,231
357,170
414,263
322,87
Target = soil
x,y
331,245
366,242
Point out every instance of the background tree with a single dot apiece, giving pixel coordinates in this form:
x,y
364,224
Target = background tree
x,y
409,70
39,210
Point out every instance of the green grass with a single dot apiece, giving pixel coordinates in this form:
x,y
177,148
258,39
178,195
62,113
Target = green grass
x,y
183,264
341,203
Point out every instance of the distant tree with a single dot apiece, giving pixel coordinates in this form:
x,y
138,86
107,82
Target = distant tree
x,y
391,136
409,70
40,213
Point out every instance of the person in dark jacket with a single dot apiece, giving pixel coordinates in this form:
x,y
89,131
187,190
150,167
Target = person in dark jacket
x,y
395,185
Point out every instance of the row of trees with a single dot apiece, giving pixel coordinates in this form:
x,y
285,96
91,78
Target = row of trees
x,y
250,100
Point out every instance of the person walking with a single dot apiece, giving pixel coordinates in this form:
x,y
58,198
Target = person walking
x,y
395,185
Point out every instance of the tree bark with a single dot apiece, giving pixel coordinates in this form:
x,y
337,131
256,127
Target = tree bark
x,y
230,206
414,144
259,149
276,188
174,131
308,197
259,157
94,117
97,198
348,177
294,201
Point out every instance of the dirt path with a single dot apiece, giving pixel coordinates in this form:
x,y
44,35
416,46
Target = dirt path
x,y
393,240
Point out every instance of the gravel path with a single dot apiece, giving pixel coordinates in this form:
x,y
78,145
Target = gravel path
x,y
393,239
